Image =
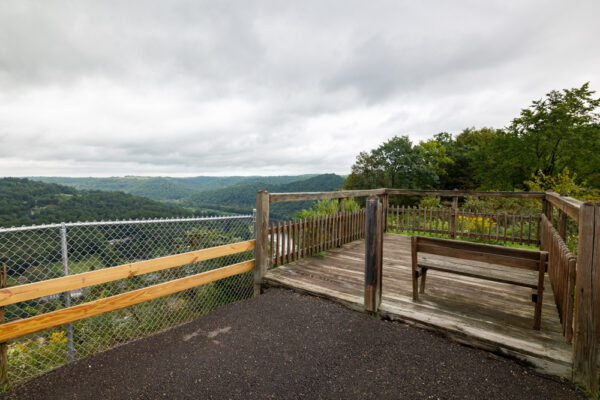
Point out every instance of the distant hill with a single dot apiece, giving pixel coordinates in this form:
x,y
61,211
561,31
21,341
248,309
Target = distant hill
x,y
242,198
166,188
26,202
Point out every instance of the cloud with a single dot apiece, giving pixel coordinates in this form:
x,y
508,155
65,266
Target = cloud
x,y
189,88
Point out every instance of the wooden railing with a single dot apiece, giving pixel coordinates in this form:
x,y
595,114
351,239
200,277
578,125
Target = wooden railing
x,y
291,240
586,334
16,294
457,223
561,269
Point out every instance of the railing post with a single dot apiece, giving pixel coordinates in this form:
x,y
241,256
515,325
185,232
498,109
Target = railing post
x,y
373,256
67,295
340,220
3,345
261,233
385,200
587,297
454,216
562,225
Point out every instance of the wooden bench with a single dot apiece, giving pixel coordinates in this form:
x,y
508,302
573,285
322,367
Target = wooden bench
x,y
449,253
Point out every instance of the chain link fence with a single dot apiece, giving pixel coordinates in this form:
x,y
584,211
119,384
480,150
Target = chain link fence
x,y
38,253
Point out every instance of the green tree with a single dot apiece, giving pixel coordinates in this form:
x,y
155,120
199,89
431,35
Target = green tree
x,y
559,131
398,164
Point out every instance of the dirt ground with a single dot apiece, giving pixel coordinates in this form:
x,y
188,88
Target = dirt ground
x,y
283,345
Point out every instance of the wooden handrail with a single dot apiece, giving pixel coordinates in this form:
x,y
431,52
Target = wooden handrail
x,y
300,196
568,205
15,329
464,193
16,294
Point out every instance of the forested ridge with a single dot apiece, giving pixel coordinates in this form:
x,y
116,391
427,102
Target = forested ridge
x,y
27,202
242,198
165,188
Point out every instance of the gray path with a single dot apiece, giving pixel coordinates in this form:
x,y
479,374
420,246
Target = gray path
x,y
286,346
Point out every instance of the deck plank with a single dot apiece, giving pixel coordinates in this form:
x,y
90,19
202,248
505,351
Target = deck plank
x,y
494,316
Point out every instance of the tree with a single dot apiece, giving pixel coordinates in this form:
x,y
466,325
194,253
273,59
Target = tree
x,y
398,164
559,131
460,174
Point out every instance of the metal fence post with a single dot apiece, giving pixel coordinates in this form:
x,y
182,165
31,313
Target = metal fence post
x,y
67,295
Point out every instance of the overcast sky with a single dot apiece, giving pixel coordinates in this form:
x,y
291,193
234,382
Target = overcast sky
x,y
180,88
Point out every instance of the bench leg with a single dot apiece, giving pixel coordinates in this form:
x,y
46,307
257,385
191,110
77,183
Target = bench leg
x,y
415,284
423,276
415,272
537,318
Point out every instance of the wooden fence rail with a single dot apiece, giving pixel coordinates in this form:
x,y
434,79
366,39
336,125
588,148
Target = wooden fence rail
x,y
11,295
291,240
561,270
493,227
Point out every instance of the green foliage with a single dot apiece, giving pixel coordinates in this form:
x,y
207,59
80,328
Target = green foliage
x,y
430,202
327,207
463,151
242,198
563,183
165,188
25,202
557,132
553,144
399,164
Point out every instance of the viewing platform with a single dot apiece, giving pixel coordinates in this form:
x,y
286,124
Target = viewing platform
x,y
480,313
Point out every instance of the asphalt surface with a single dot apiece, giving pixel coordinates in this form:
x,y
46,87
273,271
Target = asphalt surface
x,y
283,345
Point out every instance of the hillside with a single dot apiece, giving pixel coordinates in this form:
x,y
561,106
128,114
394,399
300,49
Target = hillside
x,y
26,202
165,188
242,198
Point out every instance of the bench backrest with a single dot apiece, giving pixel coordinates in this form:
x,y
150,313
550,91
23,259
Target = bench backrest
x,y
508,256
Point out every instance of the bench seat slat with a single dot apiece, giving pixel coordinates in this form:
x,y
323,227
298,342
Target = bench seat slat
x,y
497,275
470,254
481,247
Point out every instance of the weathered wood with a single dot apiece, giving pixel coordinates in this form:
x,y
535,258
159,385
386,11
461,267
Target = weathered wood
x,y
262,236
454,216
340,224
484,314
465,193
491,248
14,329
16,294
279,248
272,250
587,308
281,197
372,257
477,252
537,319
458,266
562,224
569,300
288,233
385,199
3,344
414,268
566,204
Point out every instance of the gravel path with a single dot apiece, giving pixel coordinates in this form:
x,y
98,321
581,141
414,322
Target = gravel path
x,y
284,345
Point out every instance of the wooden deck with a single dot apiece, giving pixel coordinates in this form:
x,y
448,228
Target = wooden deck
x,y
493,316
